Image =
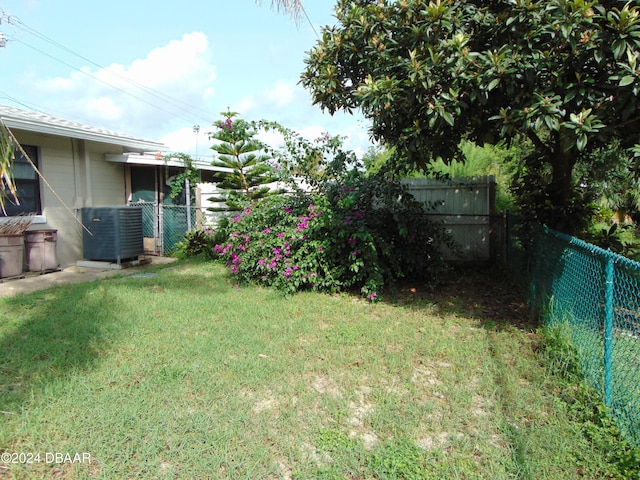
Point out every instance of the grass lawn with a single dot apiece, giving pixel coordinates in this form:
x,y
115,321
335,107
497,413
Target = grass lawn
x,y
182,374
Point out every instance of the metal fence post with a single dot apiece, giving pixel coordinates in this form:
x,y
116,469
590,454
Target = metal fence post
x,y
608,328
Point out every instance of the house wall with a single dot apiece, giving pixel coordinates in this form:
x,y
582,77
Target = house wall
x,y
79,175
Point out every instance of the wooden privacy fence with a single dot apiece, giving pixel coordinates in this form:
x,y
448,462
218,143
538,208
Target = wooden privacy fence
x,y
466,207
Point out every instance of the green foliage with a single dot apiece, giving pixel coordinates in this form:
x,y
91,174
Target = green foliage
x,y
190,173
620,238
376,158
199,242
246,171
350,231
584,406
498,160
562,74
399,459
614,178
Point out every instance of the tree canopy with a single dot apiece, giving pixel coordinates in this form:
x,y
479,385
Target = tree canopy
x,y
563,74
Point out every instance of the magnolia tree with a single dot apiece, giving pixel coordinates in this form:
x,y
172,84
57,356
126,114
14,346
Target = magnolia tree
x,y
563,74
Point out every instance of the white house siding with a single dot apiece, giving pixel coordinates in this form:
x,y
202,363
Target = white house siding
x,y
79,175
57,165
107,179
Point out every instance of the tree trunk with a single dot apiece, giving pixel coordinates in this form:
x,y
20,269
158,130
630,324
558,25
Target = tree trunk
x,y
565,218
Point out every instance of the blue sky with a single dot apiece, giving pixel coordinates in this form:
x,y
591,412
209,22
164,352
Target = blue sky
x,y
154,71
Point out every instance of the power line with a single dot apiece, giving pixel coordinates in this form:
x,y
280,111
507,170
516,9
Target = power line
x,y
159,95
162,96
309,20
107,83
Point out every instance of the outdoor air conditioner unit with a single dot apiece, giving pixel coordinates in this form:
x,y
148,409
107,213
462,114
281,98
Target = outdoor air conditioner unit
x,y
116,233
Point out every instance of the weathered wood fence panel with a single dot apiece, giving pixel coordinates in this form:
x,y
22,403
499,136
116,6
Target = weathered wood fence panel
x,y
466,206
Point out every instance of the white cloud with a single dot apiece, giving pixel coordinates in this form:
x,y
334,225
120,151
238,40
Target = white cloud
x,y
183,73
172,82
282,93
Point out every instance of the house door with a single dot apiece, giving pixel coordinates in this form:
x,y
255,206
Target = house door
x,y
144,193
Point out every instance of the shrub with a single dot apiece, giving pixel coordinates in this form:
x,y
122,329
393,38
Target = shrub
x,y
199,242
352,231
348,231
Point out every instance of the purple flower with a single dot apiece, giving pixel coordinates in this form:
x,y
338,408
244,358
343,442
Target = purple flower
x,y
347,220
319,249
354,253
288,210
281,235
372,296
266,230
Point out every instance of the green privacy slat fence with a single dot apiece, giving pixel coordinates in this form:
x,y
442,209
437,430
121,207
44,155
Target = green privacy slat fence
x,y
597,294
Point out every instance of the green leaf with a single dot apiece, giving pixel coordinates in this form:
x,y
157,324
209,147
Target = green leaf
x,y
493,84
628,80
619,47
581,142
448,118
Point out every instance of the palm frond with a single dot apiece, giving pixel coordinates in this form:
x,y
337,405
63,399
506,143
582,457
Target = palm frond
x,y
7,154
292,7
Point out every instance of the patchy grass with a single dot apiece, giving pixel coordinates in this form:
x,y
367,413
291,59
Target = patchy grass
x,y
184,375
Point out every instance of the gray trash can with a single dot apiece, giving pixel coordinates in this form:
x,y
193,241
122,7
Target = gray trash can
x,y
11,255
40,246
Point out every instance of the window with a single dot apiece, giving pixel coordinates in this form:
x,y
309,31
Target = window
x,y
27,184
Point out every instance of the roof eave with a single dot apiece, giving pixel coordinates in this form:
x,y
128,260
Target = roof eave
x,y
49,129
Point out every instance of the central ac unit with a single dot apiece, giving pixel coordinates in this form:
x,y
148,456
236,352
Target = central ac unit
x,y
116,233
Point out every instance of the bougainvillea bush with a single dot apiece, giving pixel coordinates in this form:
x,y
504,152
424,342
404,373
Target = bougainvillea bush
x,y
349,232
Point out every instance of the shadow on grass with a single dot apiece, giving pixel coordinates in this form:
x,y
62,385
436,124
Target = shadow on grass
x,y
50,334
486,295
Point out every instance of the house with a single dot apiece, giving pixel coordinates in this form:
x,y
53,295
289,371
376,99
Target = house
x,y
82,166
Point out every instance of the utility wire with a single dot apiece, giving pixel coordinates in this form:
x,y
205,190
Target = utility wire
x,y
309,20
15,21
159,95
162,96
109,84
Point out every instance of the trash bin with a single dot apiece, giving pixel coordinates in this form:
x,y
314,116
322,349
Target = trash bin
x,y
41,250
11,255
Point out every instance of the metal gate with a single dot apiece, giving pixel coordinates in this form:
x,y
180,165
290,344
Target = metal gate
x,y
165,225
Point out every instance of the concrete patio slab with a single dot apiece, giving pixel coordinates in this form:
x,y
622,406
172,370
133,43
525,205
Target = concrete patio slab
x,y
74,274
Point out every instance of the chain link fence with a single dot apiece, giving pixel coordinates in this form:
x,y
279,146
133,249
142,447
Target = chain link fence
x,y
596,293
163,226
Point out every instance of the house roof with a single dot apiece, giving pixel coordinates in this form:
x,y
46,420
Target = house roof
x,y
43,123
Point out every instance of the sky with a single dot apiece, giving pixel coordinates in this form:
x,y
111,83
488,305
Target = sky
x,y
156,71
